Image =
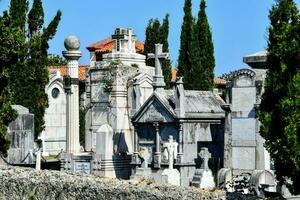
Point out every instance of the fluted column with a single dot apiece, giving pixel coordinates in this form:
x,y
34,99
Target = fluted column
x,y
72,55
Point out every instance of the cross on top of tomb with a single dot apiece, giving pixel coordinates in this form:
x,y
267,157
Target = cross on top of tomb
x,y
125,40
205,156
159,55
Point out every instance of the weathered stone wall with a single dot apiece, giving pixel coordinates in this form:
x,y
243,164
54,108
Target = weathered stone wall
x,y
23,183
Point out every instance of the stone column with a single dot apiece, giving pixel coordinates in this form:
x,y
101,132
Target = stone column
x,y
157,154
135,156
179,158
227,137
72,55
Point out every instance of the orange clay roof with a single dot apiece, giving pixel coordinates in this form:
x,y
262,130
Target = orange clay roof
x,y
63,70
219,81
108,44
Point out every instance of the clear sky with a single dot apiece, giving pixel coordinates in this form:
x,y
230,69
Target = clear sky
x,y
239,27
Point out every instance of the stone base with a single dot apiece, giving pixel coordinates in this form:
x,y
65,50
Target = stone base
x,y
171,176
142,173
203,179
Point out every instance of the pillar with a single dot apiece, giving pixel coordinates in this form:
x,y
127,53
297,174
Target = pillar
x,y
157,154
179,159
72,55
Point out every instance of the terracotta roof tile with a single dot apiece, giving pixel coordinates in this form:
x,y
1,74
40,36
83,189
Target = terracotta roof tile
x,y
63,70
108,44
219,81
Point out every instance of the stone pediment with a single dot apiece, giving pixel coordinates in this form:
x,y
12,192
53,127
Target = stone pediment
x,y
152,111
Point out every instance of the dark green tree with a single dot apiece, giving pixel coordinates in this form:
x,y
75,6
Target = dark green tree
x,y
280,105
186,38
152,37
29,77
56,60
18,12
35,17
164,34
11,41
158,33
203,60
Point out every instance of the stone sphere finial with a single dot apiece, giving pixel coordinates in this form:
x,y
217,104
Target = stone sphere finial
x,y
72,43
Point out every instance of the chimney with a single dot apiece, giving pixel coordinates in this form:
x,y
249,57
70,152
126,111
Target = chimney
x,y
179,98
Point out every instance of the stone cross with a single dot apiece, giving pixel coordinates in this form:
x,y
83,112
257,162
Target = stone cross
x,y
172,148
158,79
124,34
43,138
118,37
205,156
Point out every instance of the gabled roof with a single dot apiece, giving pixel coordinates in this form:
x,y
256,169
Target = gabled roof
x,y
108,44
155,97
199,103
63,70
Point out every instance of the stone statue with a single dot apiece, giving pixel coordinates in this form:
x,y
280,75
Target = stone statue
x,y
170,152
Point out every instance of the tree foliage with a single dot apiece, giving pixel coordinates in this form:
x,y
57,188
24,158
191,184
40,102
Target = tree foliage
x,y
29,77
186,38
196,60
158,33
11,41
280,106
203,53
56,60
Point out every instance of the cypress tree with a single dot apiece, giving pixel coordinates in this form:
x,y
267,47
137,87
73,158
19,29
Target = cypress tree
x,y
35,17
28,79
11,41
156,33
164,34
186,38
280,105
203,53
152,37
18,10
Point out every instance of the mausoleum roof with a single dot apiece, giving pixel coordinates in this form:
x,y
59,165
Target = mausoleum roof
x,y
63,70
108,44
199,102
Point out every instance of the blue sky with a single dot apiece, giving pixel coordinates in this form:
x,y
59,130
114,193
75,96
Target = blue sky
x,y
239,27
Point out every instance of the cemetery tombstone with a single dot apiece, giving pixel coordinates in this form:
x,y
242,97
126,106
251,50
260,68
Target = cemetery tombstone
x,y
203,177
21,134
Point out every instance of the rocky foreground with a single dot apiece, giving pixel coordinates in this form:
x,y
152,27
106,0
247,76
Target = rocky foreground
x,y
23,183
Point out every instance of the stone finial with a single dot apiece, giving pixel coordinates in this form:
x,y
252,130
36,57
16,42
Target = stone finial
x,y
179,97
72,43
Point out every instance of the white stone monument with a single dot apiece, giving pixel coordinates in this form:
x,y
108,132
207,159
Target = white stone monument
x,y
203,177
104,141
170,175
43,138
72,55
38,160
